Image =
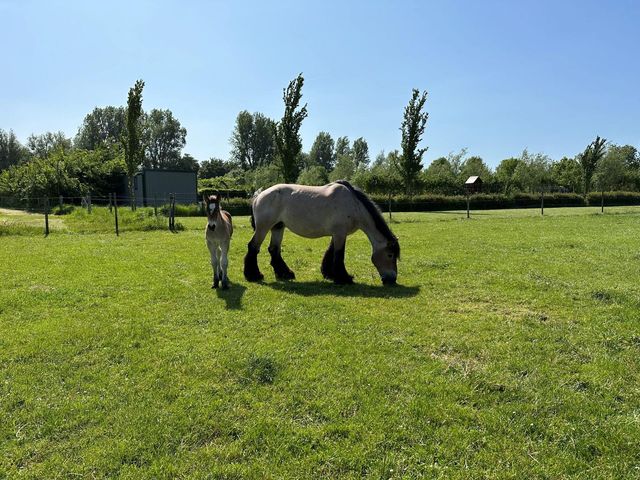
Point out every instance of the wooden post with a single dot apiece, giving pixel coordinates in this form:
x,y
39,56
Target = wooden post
x,y
468,216
602,201
171,212
110,204
155,205
390,208
115,209
542,202
89,202
46,216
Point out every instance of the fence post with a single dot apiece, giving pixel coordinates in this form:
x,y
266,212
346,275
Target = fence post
x,y
110,206
155,205
468,205
542,202
602,201
389,207
115,209
89,202
46,216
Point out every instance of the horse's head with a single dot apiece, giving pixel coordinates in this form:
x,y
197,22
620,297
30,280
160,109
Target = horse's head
x,y
385,257
212,206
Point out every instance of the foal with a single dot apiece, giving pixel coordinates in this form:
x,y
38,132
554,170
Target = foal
x,y
218,236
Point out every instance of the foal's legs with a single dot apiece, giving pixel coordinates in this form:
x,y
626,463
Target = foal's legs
x,y
224,262
251,270
340,275
280,268
213,250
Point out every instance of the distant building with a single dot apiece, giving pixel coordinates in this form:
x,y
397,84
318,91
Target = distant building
x,y
473,184
154,186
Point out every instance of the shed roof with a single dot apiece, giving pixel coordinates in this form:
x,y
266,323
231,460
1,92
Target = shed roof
x,y
473,179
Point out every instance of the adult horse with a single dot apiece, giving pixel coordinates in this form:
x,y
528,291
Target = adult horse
x,y
336,210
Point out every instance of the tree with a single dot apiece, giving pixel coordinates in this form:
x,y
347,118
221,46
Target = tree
x,y
102,126
132,147
589,160
628,154
252,142
504,174
163,139
342,146
344,170
475,166
322,151
412,128
214,167
288,142
360,153
532,172
241,140
42,145
314,175
11,150
611,173
439,178
567,173
187,163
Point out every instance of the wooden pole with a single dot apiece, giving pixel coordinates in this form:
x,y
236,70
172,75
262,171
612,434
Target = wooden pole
x,y
155,205
468,216
602,201
115,209
46,216
390,208
542,202
110,204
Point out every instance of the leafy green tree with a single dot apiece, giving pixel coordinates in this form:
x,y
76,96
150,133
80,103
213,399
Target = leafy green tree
x,y
505,174
252,140
163,140
439,178
533,172
42,145
628,154
413,125
589,160
288,142
476,166
322,151
11,150
103,126
133,152
611,173
360,153
345,169
342,146
214,167
264,176
314,175
567,173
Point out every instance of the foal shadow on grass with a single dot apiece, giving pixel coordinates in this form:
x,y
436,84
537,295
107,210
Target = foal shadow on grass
x,y
314,288
232,296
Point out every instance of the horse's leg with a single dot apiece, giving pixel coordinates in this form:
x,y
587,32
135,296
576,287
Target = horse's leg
x,y
340,275
251,270
213,250
224,262
280,268
327,262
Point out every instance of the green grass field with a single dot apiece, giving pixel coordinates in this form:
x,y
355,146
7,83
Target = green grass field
x,y
510,349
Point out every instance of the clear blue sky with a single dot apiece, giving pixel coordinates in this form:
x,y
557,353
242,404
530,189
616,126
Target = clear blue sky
x,y
501,75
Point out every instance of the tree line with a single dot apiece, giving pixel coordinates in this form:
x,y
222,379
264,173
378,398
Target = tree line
x,y
117,140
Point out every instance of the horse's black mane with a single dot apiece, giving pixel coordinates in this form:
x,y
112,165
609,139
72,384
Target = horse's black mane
x,y
374,211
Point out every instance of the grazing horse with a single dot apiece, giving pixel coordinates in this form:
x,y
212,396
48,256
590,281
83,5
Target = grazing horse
x,y
336,210
218,236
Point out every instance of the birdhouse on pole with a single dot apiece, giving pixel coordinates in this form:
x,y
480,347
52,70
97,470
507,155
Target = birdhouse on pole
x,y
473,184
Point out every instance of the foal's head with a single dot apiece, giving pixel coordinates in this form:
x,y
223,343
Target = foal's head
x,y
212,205
385,258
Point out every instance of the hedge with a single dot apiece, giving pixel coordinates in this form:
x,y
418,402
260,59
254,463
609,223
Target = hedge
x,y
429,203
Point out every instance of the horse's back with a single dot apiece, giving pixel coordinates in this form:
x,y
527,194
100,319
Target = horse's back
x,y
309,211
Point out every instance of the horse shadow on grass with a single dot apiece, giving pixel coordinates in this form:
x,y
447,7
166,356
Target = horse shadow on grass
x,y
315,288
232,296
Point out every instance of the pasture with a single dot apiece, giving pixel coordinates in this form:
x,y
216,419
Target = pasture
x,y
510,349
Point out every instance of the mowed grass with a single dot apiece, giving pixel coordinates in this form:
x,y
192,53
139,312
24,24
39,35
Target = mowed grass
x,y
510,349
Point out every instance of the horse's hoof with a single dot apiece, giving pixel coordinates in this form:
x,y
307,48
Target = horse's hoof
x,y
225,285
254,278
289,275
348,280
215,285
